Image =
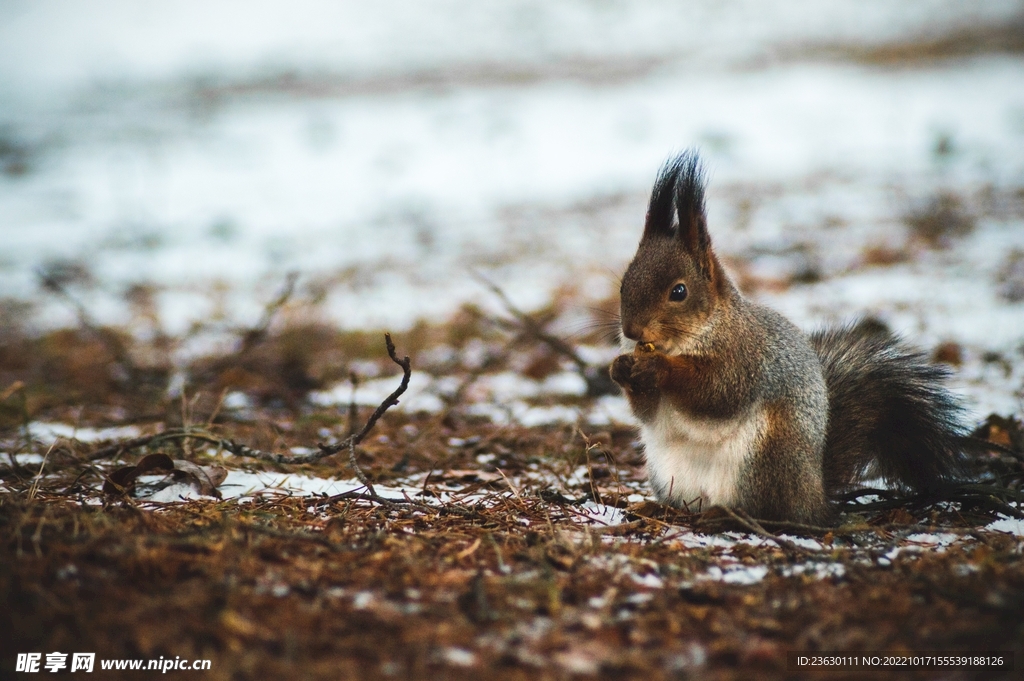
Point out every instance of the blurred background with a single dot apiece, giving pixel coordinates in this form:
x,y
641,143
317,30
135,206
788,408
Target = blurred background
x,y
175,161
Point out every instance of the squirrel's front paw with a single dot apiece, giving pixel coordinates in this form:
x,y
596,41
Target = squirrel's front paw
x,y
622,369
640,372
647,371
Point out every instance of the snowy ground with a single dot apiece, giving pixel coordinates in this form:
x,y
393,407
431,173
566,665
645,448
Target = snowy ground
x,y
389,153
388,173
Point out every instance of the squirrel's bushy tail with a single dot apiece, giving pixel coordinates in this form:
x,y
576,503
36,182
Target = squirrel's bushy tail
x,y
889,415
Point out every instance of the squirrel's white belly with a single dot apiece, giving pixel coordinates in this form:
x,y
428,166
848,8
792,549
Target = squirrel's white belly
x,y
697,462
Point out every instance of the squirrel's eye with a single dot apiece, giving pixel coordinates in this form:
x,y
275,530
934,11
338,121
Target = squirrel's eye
x,y
678,293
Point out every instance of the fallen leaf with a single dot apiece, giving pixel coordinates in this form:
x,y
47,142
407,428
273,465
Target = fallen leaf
x,y
204,479
123,479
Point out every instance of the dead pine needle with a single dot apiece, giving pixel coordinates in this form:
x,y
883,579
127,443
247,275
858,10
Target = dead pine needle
x,y
755,527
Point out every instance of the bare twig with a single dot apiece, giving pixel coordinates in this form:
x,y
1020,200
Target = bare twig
x,y
240,450
373,496
34,488
392,399
597,379
243,450
236,448
754,526
127,445
11,389
26,421
353,408
353,415
490,361
216,409
405,502
354,463
56,285
254,336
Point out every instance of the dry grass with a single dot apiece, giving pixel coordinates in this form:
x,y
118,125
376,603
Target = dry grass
x,y
492,570
269,590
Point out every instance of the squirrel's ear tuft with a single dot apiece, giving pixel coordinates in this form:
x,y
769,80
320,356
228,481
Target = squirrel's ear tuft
x,y
689,200
677,204
661,210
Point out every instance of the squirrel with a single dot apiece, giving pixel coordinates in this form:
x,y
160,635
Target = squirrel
x,y
738,408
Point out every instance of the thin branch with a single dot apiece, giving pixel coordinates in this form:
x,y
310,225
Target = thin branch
x,y
255,335
392,399
597,379
349,443
753,526
243,450
126,446
18,387
373,496
353,408
55,284
490,361
391,502
534,328
354,463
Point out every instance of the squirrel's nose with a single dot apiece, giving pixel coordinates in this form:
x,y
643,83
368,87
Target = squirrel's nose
x,y
633,331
